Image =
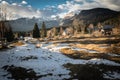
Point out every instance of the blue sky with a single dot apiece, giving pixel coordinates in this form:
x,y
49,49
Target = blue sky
x,y
53,9
40,3
44,3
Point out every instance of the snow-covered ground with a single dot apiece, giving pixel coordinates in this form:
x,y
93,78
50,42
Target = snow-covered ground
x,y
49,60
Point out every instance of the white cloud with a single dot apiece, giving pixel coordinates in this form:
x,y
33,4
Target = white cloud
x,y
19,5
18,11
4,2
61,6
68,7
29,6
23,2
78,5
79,0
59,11
14,4
38,11
111,4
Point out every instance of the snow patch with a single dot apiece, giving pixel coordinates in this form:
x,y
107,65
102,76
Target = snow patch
x,y
49,60
112,75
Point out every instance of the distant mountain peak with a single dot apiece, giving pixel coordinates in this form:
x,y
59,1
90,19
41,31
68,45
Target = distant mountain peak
x,y
94,15
69,15
26,24
96,10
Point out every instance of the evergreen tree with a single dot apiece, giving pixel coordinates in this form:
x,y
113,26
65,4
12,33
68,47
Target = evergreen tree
x,y
3,29
9,34
36,32
43,30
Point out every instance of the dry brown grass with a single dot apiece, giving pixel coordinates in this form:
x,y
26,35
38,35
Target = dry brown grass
x,y
114,48
81,35
116,31
100,44
68,51
77,54
101,38
19,43
97,34
86,55
117,59
0,46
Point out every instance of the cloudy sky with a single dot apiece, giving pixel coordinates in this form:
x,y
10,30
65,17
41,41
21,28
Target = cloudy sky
x,y
49,9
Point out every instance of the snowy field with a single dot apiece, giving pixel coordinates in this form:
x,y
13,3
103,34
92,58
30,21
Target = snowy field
x,y
48,60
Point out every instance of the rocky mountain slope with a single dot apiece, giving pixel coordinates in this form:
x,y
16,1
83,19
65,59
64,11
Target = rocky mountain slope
x,y
93,16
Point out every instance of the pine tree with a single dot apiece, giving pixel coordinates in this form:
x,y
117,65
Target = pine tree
x,y
3,29
36,32
43,30
9,34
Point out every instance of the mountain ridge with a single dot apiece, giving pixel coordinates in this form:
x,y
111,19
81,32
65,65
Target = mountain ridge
x,y
89,16
94,16
26,24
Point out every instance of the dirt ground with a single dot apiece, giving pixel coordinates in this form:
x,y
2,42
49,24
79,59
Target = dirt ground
x,y
90,72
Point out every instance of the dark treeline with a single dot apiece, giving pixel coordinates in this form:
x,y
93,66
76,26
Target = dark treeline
x,y
6,31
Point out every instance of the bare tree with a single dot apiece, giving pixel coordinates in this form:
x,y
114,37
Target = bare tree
x,y
91,28
79,25
5,13
99,26
76,25
70,31
61,30
55,32
5,28
82,26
